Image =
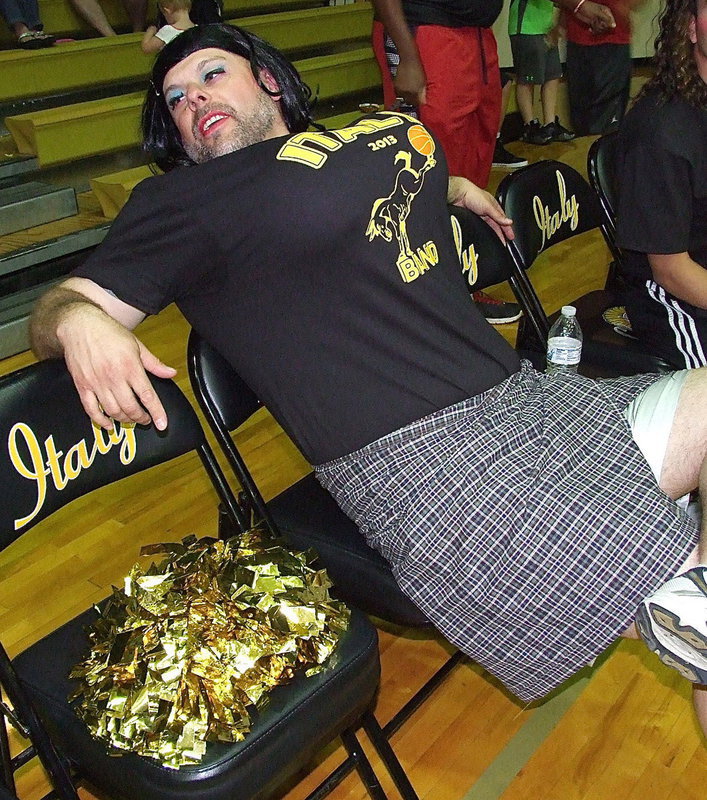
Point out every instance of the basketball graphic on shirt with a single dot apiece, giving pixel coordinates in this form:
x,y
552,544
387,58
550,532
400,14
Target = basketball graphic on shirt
x,y
421,141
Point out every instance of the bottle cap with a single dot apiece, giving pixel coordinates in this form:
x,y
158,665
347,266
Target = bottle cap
x,y
568,311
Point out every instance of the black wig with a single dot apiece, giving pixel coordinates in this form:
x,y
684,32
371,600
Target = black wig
x,y
161,138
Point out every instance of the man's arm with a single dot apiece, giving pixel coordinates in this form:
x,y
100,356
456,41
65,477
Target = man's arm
x,y
91,329
678,274
596,16
410,80
462,192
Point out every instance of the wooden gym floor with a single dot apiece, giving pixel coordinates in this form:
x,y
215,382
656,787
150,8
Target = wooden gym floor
x,y
622,731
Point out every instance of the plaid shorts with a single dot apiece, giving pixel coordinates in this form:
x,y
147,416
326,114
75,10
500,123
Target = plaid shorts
x,y
524,522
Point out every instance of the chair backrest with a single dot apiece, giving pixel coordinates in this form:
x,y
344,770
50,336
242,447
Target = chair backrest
x,y
549,202
602,178
484,259
52,453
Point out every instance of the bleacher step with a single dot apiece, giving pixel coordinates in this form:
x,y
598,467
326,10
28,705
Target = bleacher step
x,y
15,165
14,314
61,135
34,203
52,249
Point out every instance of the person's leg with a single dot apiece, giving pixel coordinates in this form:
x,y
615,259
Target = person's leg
x,y
551,82
91,11
137,14
684,467
463,96
548,98
14,16
379,50
599,79
529,60
524,98
579,86
503,158
506,89
677,452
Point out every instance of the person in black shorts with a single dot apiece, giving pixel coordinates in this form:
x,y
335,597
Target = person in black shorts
x,y
536,60
661,181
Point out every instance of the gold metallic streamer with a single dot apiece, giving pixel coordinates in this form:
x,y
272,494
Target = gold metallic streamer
x,y
190,646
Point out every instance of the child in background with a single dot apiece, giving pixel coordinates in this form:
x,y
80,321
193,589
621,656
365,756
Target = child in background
x,y
536,60
177,19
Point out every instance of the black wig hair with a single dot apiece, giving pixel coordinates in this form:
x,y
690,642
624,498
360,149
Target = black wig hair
x,y
161,138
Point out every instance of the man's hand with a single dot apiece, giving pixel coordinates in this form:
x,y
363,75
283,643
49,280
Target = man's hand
x,y
598,17
411,81
108,364
462,192
91,329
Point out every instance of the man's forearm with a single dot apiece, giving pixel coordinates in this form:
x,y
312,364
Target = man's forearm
x,y
595,15
49,312
391,14
682,276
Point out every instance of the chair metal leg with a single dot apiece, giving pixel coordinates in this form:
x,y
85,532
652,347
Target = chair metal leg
x,y
47,753
356,758
363,765
387,754
6,771
388,730
422,694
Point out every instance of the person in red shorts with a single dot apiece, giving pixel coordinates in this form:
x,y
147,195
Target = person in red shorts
x,y
448,70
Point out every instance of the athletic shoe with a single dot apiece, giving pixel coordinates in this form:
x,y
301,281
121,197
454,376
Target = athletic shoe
x,y
673,623
535,133
505,159
558,133
497,312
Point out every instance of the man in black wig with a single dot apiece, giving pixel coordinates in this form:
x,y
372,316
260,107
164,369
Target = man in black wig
x,y
532,519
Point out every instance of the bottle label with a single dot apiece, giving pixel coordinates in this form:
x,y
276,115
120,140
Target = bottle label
x,y
564,350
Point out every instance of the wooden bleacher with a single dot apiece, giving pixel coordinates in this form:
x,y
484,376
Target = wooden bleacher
x,y
60,19
79,65
60,136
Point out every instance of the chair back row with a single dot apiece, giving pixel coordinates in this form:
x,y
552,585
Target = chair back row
x,y
54,454
550,202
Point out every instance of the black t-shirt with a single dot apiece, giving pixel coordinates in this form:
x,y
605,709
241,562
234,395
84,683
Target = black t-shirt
x,y
452,13
323,267
661,182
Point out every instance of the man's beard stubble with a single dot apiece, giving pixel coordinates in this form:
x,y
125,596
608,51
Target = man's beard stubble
x,y
249,129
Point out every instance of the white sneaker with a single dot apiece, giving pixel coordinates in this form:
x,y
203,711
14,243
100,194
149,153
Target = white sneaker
x,y
673,623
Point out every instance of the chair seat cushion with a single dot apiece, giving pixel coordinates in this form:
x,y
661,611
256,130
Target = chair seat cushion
x,y
309,517
298,720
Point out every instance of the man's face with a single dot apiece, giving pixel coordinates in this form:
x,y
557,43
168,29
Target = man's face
x,y
698,36
217,105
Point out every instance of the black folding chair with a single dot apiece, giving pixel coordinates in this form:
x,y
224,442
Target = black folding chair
x,y
551,202
486,261
305,513
600,170
40,412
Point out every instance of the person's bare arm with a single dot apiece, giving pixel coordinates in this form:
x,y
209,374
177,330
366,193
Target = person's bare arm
x,y
410,80
150,42
91,329
595,15
462,192
678,274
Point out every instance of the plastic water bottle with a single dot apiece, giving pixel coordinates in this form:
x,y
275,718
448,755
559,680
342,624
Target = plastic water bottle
x,y
564,343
